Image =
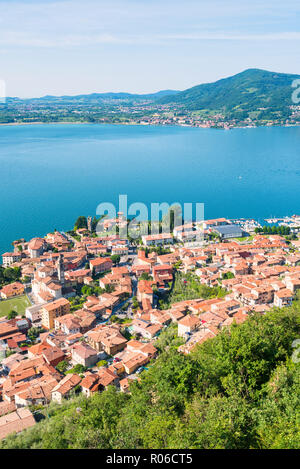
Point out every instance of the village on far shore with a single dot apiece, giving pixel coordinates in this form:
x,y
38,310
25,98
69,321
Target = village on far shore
x,y
81,311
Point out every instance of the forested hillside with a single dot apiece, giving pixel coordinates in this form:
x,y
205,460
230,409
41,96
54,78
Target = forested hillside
x,y
249,91
238,390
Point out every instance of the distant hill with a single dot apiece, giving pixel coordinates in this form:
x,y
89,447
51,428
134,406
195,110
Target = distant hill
x,y
94,98
248,90
263,97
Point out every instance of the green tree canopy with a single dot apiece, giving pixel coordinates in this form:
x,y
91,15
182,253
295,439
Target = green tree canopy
x,y
81,222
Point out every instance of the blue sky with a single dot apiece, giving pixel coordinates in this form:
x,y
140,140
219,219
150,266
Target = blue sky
x,y
82,46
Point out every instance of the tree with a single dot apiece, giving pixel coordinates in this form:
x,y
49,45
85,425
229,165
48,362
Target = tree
x,y
10,274
81,222
101,363
145,276
94,223
239,389
278,425
34,332
227,275
115,258
12,314
109,288
242,358
62,366
86,290
77,369
135,303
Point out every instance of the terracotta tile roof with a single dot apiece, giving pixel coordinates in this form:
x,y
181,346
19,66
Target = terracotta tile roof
x,y
67,384
84,350
16,422
189,321
7,407
89,381
106,377
12,289
100,260
57,303
285,293
38,349
145,286
36,244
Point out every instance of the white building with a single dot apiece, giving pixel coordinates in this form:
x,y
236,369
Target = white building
x,y
9,258
157,239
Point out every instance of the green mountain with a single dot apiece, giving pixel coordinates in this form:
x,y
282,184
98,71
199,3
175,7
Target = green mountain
x,y
250,90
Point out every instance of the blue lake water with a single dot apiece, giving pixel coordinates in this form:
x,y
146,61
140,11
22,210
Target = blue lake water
x,y
50,174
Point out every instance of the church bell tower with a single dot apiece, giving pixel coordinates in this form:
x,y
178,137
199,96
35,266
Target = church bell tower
x,y
61,269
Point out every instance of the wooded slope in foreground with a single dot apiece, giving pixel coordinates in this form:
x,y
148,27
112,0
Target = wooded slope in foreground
x,y
240,389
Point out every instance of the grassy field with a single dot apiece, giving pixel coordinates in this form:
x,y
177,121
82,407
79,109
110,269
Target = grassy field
x,y
245,239
18,304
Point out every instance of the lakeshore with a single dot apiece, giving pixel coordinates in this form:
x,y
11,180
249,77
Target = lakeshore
x,y
169,124
47,168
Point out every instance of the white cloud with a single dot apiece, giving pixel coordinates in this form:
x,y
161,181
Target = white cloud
x,y
28,40
24,39
280,36
73,23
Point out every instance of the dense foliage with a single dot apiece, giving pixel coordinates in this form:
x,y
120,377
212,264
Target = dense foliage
x,y
240,94
188,287
81,222
237,390
280,230
9,275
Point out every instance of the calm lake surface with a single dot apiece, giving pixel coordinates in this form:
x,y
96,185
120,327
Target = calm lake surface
x,y
50,174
